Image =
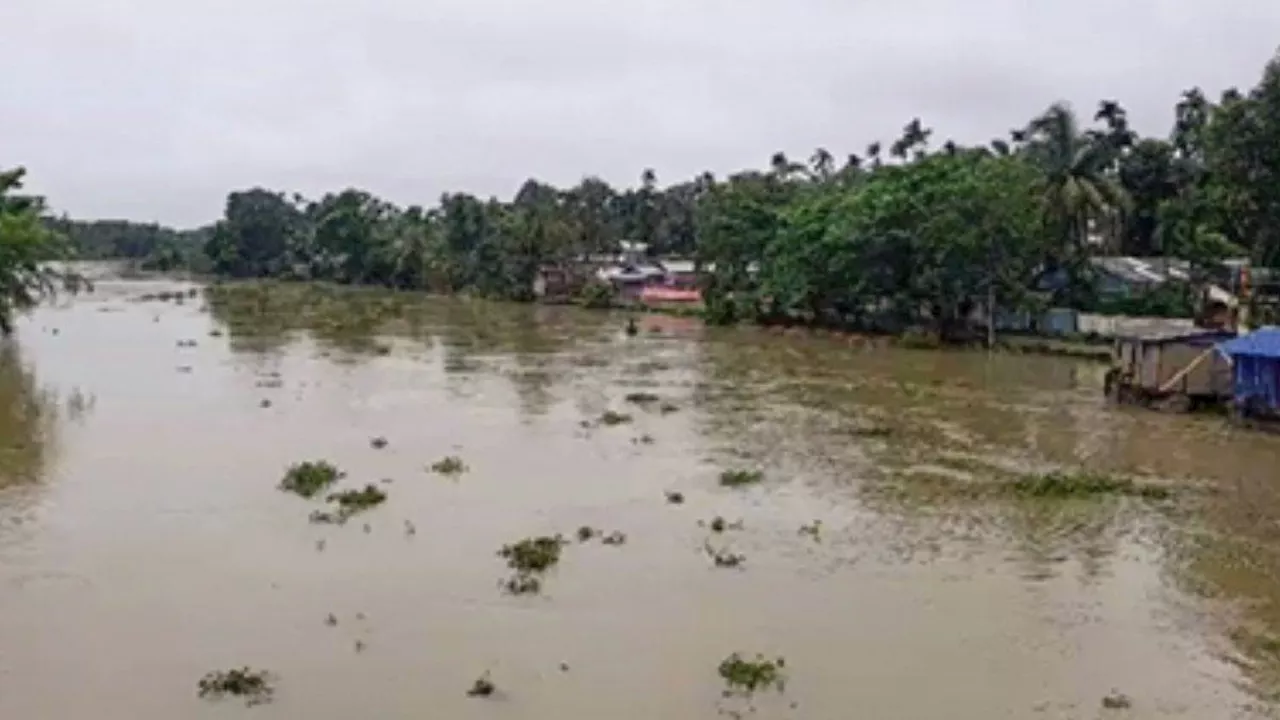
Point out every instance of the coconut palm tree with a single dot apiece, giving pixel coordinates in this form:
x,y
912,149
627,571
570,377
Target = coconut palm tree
x,y
822,164
873,152
1076,190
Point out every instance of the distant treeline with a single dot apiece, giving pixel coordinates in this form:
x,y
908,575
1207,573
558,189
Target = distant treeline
x,y
149,243
916,231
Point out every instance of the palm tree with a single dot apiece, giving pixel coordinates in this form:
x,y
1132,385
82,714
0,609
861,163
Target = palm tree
x,y
1076,190
822,164
873,152
914,137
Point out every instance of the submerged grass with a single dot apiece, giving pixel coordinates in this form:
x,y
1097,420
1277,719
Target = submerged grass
x,y
309,478
740,478
1084,484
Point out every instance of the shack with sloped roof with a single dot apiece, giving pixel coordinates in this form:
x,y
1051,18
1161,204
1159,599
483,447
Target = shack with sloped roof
x,y
1170,368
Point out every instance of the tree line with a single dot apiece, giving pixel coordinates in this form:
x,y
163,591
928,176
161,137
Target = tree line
x,y
913,231
150,245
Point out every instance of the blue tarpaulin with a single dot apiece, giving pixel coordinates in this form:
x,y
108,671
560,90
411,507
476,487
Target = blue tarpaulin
x,y
1255,359
1262,343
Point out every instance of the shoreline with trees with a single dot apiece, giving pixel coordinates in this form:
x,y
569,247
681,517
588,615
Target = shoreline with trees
x,y
917,234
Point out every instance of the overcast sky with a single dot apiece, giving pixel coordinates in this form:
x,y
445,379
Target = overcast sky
x,y
154,109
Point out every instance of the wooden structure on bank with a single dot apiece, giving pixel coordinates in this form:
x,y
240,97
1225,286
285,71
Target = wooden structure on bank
x,y
1173,369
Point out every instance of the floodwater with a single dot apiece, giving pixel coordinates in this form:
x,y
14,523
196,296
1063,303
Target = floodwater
x,y
144,543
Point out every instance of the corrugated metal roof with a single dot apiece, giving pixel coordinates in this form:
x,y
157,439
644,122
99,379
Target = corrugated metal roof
x,y
1263,342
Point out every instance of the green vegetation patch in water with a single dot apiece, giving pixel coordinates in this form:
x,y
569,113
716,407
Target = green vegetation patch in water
x,y
530,558
642,398
254,686
450,465
309,478
533,555
611,418
1084,484
745,677
740,478
351,502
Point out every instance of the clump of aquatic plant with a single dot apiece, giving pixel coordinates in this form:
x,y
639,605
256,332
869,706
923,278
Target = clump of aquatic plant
x,y
610,418
1083,484
745,677
482,687
739,478
451,465
325,517
534,554
813,530
586,533
351,502
724,558
522,584
1116,700
719,524
675,497
529,558
254,686
642,398
309,478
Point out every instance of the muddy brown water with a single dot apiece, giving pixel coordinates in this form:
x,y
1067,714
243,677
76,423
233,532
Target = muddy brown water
x,y
143,541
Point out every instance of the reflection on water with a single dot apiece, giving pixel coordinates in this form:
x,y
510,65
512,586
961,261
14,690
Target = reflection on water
x,y
27,417
165,544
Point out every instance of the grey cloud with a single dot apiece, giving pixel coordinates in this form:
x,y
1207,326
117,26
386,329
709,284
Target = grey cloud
x,y
153,109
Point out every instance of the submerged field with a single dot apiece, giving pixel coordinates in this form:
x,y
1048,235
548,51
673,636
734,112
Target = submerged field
x,y
873,532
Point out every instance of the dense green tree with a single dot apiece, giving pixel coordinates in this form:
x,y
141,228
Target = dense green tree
x,y
258,232
1242,159
29,251
1147,172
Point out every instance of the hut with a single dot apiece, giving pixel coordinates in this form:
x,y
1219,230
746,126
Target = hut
x,y
1172,368
1255,361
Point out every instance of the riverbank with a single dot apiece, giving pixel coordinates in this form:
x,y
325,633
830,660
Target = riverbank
x,y
1097,350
